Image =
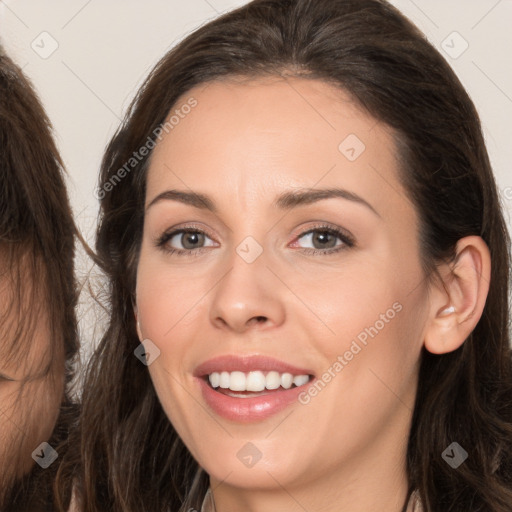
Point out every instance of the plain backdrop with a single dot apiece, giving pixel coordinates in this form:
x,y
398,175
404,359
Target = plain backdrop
x,y
87,58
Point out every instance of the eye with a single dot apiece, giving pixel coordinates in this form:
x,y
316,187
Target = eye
x,y
191,240
326,240
183,241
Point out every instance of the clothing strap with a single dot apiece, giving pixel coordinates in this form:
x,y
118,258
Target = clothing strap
x,y
412,505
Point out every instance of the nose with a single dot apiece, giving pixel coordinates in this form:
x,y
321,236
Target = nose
x,y
248,296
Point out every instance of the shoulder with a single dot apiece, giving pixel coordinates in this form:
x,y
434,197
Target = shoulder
x,y
73,505
415,504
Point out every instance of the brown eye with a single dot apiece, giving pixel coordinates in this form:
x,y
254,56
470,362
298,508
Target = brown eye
x,y
184,241
190,240
323,238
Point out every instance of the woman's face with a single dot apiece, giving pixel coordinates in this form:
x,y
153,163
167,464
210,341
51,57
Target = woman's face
x,y
282,282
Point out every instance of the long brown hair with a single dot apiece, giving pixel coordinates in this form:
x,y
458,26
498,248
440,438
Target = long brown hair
x,y
131,456
37,237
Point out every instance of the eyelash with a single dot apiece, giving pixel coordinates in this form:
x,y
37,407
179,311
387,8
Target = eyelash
x,y
348,241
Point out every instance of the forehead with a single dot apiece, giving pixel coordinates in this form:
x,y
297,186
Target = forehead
x,y
242,137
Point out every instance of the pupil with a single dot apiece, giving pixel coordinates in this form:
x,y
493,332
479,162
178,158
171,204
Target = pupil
x,y
322,237
191,239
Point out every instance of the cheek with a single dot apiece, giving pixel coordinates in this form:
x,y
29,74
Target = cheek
x,y
375,320
372,299
28,419
167,301
9,419
347,301
171,314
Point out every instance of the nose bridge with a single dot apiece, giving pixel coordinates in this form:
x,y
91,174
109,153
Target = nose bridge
x,y
248,292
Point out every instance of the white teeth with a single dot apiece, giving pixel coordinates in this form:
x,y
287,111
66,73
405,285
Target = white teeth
x,y
223,380
237,381
273,380
286,380
215,379
300,380
255,381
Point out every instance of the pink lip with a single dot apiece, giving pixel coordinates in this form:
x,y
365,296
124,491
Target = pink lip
x,y
257,408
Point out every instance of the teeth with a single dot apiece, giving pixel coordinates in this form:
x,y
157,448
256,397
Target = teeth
x,y
255,381
286,380
215,379
237,381
273,380
300,380
223,380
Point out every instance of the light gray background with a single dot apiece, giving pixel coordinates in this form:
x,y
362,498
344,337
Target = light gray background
x,y
103,49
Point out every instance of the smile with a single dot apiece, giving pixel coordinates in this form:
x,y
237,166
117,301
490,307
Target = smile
x,y
255,381
250,388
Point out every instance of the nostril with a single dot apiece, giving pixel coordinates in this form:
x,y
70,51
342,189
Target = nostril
x,y
257,320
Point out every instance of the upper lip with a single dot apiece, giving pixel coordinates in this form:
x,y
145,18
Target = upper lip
x,y
247,363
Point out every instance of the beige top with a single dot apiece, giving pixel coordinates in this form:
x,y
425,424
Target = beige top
x,y
414,504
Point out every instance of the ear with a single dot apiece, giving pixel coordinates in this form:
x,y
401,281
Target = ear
x,y
457,301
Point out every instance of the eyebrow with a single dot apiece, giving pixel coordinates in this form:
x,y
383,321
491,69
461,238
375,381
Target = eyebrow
x,y
285,201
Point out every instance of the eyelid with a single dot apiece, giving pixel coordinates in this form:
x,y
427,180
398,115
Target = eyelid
x,y
347,239
186,227
326,226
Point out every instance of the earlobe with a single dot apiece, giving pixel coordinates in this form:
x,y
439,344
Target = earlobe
x,y
458,301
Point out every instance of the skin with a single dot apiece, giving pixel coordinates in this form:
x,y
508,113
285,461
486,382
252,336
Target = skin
x,y
244,144
29,396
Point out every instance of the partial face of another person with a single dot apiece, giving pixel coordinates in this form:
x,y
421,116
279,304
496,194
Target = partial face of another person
x,y
289,321
31,375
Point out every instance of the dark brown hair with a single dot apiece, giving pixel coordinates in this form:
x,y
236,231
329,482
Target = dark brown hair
x,y
37,236
132,458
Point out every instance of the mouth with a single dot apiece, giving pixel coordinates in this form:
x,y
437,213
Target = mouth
x,y
250,388
254,383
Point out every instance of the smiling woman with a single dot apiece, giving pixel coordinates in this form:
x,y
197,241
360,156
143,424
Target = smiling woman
x,y
324,224
37,299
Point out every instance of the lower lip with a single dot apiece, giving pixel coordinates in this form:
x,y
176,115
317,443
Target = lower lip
x,y
245,410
